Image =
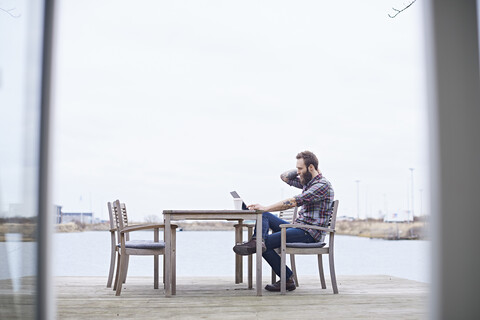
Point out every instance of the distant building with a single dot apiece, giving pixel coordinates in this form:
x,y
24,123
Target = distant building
x,y
66,217
82,217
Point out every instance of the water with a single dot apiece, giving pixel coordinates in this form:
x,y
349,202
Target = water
x,y
20,261
208,253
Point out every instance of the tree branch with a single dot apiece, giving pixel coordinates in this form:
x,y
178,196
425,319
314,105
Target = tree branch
x,y
398,11
9,12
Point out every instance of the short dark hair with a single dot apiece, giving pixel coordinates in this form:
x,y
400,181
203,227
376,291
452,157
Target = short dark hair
x,y
309,158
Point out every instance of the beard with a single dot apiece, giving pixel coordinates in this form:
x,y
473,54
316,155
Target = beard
x,y
305,178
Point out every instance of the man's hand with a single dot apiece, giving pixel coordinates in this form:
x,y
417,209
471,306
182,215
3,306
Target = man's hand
x,y
257,207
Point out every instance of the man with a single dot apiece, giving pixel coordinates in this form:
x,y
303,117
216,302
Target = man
x,y
316,202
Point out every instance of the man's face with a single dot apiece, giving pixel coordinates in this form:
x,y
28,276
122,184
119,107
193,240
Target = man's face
x,y
303,172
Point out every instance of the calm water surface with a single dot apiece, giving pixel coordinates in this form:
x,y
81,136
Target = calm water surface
x,y
209,253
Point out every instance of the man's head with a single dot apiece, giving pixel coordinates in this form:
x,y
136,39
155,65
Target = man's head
x,y
307,166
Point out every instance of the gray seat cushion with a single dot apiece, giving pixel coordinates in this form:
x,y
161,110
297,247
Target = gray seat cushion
x,y
143,244
306,245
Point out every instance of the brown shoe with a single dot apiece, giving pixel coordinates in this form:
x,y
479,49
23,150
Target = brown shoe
x,y
276,286
248,248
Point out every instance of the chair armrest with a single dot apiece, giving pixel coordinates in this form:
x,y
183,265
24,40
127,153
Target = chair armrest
x,y
306,226
113,230
145,227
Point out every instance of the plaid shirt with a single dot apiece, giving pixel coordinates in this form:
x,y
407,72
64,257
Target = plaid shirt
x,y
316,201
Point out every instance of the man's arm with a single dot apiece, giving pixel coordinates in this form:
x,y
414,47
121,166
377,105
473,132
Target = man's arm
x,y
282,205
291,178
289,175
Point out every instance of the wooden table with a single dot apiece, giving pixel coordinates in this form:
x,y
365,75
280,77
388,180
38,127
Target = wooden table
x,y
176,215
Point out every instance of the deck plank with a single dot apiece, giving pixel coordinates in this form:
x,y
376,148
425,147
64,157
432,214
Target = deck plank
x,y
360,297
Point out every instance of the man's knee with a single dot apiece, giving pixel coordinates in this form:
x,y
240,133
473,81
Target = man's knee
x,y
267,215
273,241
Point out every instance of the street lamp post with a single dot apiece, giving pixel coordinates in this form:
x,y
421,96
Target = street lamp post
x,y
358,199
411,171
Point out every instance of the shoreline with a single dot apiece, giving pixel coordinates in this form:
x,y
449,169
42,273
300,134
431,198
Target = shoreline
x,y
417,230
375,229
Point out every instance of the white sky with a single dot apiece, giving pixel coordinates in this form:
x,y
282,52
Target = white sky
x,y
172,104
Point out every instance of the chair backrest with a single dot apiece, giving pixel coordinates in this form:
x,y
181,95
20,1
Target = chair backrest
x,y
288,215
113,225
119,211
333,217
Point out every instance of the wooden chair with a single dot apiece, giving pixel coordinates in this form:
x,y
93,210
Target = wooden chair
x,y
113,243
287,215
317,248
127,247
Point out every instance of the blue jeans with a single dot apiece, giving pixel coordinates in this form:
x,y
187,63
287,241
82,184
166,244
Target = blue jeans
x,y
273,240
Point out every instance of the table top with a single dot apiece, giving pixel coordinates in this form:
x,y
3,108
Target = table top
x,y
216,211
212,214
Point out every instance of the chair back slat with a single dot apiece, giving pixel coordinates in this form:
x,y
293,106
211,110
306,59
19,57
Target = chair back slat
x,y
113,224
295,211
125,219
124,214
288,215
119,217
333,217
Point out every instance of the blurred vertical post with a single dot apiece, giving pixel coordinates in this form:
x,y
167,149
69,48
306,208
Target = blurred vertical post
x,y
45,297
452,60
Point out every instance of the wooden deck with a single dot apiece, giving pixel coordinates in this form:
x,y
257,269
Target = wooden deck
x,y
360,297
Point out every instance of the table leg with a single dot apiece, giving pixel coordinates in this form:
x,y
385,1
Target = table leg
x,y
250,261
239,258
259,255
168,256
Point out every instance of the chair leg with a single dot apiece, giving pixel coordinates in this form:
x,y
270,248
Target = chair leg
x,y
155,260
174,262
155,271
332,272
112,262
127,260
283,262
117,273
320,271
294,269
122,275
